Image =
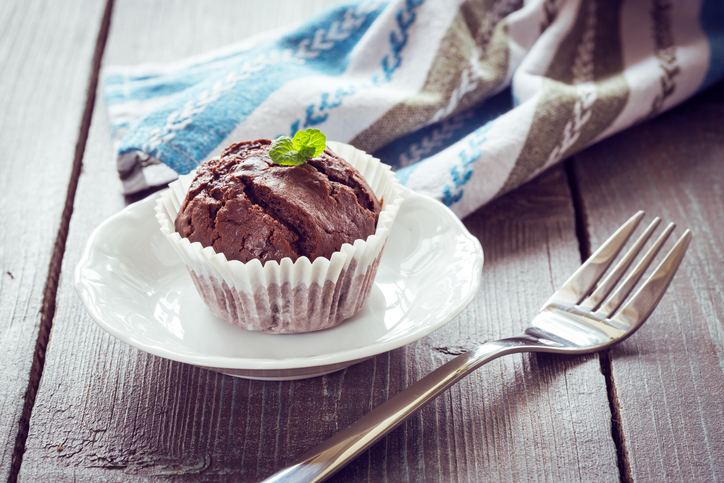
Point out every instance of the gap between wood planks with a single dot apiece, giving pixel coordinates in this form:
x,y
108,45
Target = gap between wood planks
x,y
584,247
47,311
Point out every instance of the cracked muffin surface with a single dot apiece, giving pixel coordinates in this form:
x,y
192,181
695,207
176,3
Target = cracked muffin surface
x,y
247,207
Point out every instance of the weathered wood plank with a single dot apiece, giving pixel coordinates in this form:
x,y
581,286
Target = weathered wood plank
x,y
107,411
669,377
46,52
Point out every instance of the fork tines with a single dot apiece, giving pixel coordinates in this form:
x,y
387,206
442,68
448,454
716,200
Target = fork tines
x,y
584,281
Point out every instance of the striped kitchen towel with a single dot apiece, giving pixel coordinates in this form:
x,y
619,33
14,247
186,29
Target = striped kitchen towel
x,y
466,99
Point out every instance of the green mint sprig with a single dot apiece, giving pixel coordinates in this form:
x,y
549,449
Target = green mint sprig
x,y
293,152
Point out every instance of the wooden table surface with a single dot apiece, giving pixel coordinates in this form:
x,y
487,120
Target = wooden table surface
x,y
77,404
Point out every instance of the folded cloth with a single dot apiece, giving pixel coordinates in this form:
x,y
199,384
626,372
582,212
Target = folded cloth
x,y
466,99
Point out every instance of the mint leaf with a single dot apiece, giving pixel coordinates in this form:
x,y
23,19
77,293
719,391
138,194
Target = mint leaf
x,y
293,152
307,152
279,147
291,158
310,138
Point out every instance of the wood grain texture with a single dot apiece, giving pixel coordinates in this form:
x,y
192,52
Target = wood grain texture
x,y
669,377
46,51
106,411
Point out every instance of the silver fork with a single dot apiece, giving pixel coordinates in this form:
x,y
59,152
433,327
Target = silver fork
x,y
580,317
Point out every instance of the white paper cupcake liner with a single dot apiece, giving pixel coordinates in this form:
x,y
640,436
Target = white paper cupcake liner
x,y
288,297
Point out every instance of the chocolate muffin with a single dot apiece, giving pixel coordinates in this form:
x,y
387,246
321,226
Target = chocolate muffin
x,y
272,255
246,207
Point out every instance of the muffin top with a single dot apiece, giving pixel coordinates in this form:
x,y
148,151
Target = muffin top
x,y
246,207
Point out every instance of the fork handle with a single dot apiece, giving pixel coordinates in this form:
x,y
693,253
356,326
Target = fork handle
x,y
324,460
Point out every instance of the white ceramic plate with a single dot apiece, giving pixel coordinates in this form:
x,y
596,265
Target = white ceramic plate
x,y
135,288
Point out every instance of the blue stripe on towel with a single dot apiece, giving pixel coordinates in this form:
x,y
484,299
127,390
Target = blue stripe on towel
x,y
196,119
